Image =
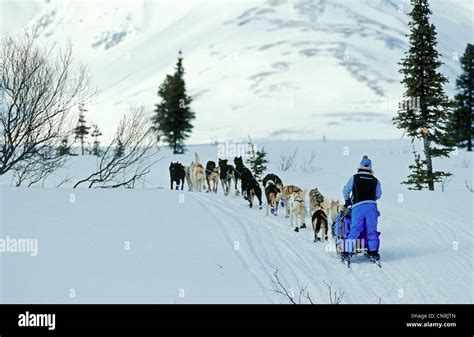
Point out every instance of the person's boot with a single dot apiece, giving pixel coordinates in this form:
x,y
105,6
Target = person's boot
x,y
346,257
374,256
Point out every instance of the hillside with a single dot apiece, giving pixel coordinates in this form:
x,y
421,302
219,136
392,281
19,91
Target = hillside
x,y
186,247
331,63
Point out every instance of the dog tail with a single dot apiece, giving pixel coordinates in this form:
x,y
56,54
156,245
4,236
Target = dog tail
x,y
196,158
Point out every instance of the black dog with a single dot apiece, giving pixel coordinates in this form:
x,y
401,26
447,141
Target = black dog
x,y
273,177
177,174
242,173
253,189
227,173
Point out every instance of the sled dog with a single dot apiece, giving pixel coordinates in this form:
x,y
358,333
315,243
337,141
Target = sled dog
x,y
297,208
177,174
274,178
242,173
226,175
320,220
198,174
291,190
273,195
212,174
334,207
254,190
316,199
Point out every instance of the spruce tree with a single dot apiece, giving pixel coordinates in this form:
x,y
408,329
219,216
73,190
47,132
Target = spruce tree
x,y
96,144
257,161
64,149
427,119
173,115
82,130
417,179
461,120
119,150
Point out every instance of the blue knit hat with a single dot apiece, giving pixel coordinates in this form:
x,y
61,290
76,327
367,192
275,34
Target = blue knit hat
x,y
366,163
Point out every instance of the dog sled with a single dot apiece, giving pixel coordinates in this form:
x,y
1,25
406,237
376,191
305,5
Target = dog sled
x,y
340,230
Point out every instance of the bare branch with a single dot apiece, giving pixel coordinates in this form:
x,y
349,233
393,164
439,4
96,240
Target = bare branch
x,y
287,161
38,88
128,157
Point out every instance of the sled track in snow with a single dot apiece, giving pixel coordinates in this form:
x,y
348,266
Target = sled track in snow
x,y
268,243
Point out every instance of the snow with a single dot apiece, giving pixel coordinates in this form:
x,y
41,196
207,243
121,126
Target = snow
x,y
230,49
189,247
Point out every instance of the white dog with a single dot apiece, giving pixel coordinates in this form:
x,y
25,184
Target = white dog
x,y
297,208
197,175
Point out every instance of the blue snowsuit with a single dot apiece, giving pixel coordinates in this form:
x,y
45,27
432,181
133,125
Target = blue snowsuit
x,y
364,189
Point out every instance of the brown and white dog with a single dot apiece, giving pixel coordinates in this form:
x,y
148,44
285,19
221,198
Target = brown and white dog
x,y
197,174
317,200
273,194
289,191
297,208
212,174
319,221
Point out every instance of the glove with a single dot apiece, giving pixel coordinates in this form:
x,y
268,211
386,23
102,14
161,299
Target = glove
x,y
348,203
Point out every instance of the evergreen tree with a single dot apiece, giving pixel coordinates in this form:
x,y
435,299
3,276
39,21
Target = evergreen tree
x,y
119,149
96,144
64,149
173,115
81,130
426,120
257,161
461,120
417,179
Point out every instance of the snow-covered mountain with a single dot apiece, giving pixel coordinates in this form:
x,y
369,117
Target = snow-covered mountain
x,y
286,69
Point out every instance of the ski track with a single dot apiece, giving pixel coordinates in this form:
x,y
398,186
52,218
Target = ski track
x,y
267,243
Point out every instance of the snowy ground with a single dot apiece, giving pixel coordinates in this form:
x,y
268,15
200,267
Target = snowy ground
x,y
153,245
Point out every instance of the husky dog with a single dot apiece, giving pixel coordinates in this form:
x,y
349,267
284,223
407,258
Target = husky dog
x,y
317,200
291,190
212,174
254,190
242,173
187,172
226,175
274,178
297,208
273,194
334,207
320,220
177,174
197,174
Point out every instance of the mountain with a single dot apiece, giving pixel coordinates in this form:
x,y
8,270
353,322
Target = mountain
x,y
274,69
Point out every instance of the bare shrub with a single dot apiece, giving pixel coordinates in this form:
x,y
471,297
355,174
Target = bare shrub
x,y
445,181
287,161
307,165
335,297
128,157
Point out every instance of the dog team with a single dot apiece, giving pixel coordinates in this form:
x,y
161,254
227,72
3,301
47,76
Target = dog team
x,y
200,178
